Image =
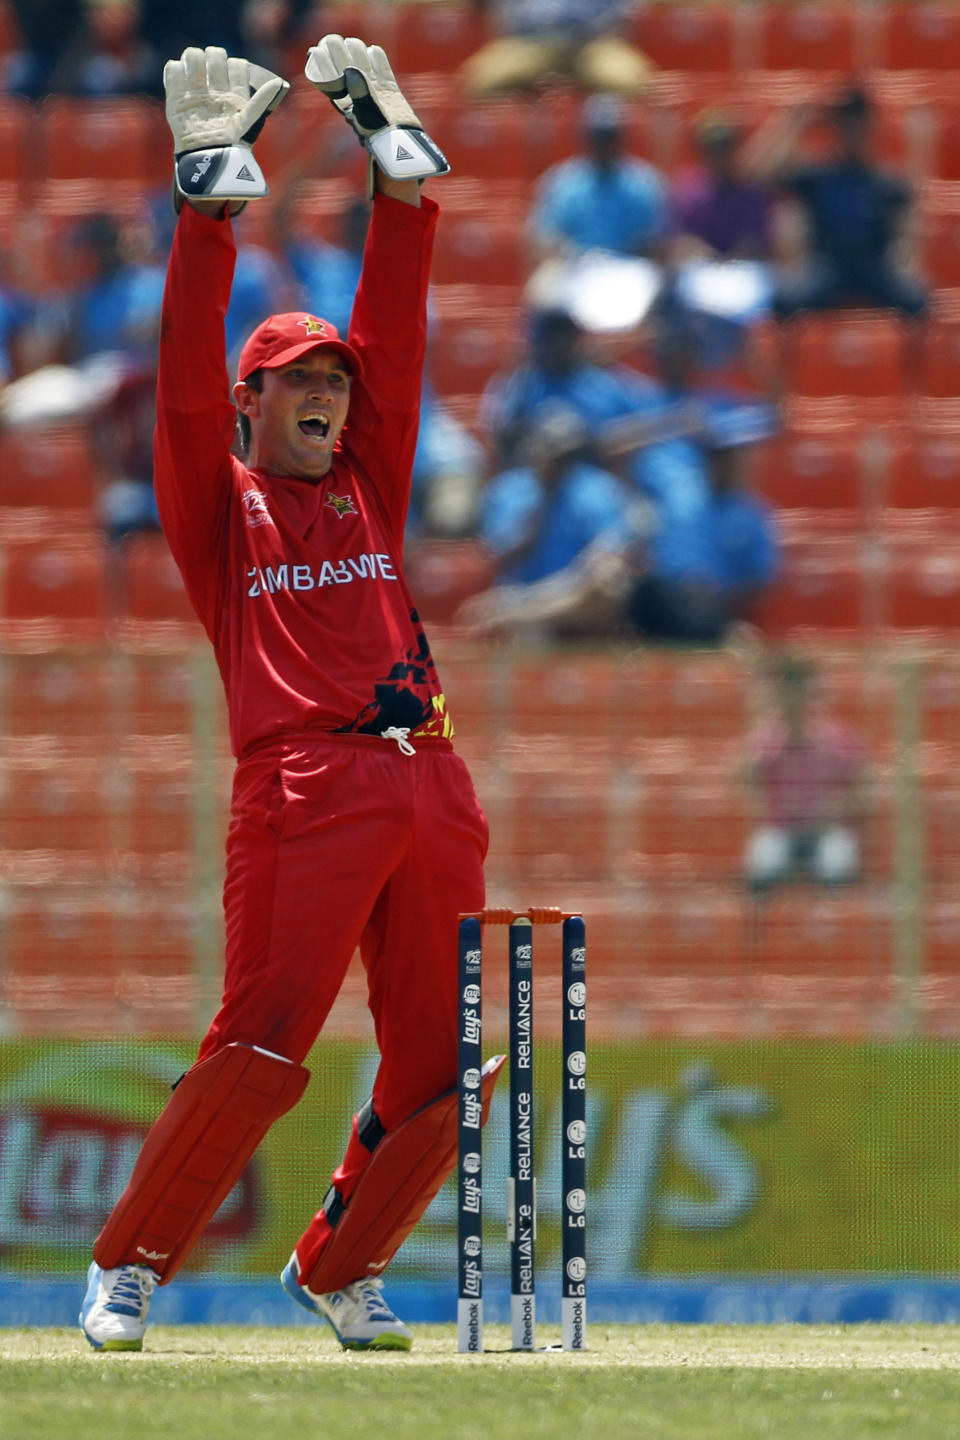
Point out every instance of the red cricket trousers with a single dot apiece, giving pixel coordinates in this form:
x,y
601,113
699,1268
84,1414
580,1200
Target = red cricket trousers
x,y
340,841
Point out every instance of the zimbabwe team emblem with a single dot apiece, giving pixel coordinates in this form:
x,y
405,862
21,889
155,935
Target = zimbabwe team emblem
x,y
343,504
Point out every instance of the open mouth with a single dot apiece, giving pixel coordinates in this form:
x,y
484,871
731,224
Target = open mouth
x,y
316,426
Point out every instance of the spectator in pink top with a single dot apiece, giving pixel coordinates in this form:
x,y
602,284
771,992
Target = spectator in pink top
x,y
806,775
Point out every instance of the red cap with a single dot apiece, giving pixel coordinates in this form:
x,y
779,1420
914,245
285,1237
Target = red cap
x,y
282,338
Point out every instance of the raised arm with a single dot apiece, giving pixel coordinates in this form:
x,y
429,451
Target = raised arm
x,y
195,415
215,106
389,321
388,327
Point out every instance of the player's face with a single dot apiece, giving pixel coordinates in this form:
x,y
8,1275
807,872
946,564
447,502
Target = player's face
x,y
297,416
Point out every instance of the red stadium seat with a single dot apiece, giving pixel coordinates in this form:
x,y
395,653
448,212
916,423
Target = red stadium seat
x,y
464,355
843,936
806,37
944,120
492,141
819,470
860,696
697,930
894,141
822,588
16,147
9,28
701,698
473,249
51,466
46,931
60,694
154,585
434,37
555,826
113,140
687,37
941,246
442,574
52,801
162,943
160,814
161,698
922,586
846,353
567,696
924,471
940,362
71,959
58,584
941,841
686,825
919,36
941,934
939,694
352,17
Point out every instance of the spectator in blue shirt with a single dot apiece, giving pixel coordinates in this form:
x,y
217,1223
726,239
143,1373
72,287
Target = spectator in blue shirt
x,y
16,313
108,54
673,461
546,519
118,309
539,515
43,30
694,551
558,369
708,564
602,199
713,550
682,575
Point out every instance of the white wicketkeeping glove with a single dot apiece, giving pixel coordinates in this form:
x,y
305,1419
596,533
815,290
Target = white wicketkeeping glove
x,y
358,80
216,107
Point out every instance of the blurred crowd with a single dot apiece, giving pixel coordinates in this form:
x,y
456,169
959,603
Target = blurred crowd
x,y
118,47
607,475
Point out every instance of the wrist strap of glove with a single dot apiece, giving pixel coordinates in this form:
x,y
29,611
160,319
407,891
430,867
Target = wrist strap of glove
x,y
406,154
228,172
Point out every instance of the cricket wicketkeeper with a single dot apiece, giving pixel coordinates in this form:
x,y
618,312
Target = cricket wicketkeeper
x,y
353,822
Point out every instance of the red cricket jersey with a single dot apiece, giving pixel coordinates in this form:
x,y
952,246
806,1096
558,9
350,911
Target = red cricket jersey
x,y
298,583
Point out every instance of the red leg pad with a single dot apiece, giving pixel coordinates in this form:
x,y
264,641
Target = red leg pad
x,y
403,1175
194,1154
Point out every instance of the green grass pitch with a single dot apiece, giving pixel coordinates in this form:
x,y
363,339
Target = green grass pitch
x,y
657,1382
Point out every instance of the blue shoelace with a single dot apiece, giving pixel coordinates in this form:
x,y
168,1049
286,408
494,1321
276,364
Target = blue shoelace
x,y
377,1308
126,1297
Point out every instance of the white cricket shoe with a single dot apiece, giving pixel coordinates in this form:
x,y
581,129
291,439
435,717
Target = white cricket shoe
x,y
360,1316
113,1315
